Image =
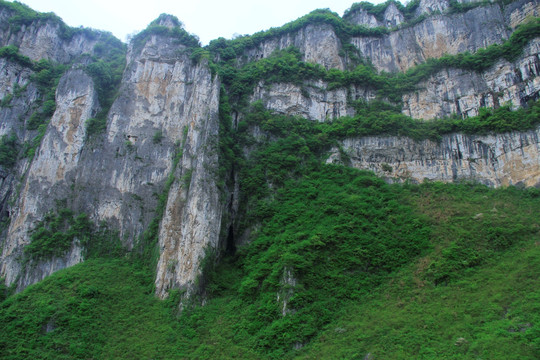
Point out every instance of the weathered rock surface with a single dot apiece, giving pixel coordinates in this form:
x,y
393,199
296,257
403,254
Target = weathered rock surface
x,y
391,17
456,91
494,160
311,101
44,40
442,34
435,36
49,176
169,104
14,76
318,44
166,105
164,96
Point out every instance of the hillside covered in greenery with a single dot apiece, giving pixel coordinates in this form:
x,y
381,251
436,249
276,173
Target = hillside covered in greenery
x,y
397,271
336,262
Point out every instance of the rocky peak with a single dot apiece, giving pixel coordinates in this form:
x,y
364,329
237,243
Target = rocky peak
x,y
169,21
363,18
431,6
392,16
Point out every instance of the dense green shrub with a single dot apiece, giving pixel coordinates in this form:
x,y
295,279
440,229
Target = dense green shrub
x,y
177,32
9,150
11,53
55,235
378,10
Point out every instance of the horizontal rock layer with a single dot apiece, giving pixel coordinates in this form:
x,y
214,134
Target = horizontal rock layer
x,y
494,160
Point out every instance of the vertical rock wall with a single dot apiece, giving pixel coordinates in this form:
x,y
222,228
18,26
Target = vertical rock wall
x,y
49,177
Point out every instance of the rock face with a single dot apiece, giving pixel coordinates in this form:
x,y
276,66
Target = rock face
x,y
456,91
442,34
319,44
435,36
166,105
495,160
50,175
15,76
44,39
311,101
156,164
392,17
163,95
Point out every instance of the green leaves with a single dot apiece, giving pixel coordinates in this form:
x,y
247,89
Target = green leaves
x,y
55,235
9,150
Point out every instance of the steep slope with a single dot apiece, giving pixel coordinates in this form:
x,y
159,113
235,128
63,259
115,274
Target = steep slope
x,y
471,293
160,152
233,177
158,135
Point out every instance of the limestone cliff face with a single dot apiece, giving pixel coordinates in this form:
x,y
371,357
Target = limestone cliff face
x,y
49,177
43,39
442,34
167,105
495,160
455,91
391,17
450,91
311,101
164,95
13,76
162,131
318,44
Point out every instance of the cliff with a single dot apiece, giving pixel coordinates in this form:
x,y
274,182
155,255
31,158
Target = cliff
x,y
149,155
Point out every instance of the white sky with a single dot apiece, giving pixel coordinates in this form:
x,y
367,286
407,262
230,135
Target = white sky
x,y
208,19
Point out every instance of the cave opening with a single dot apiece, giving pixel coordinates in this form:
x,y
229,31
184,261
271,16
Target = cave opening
x,y
230,246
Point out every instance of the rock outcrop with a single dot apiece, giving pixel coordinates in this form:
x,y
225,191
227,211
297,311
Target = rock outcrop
x,y
494,160
49,177
311,101
456,91
47,38
166,105
444,33
318,44
154,170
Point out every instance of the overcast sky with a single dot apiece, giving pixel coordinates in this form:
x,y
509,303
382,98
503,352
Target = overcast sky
x,y
208,19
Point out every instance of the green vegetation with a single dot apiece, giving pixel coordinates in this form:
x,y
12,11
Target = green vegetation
x,y
56,233
106,69
379,9
11,53
177,32
9,150
487,308
6,101
158,137
339,264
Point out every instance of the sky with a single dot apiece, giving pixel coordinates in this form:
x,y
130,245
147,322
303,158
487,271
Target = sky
x,y
208,19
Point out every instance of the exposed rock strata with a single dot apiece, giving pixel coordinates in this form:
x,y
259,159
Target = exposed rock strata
x,y
44,40
318,44
168,104
494,160
456,91
49,177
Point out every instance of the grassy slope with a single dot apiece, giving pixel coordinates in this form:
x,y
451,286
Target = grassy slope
x,y
102,309
487,311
